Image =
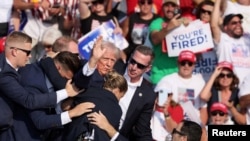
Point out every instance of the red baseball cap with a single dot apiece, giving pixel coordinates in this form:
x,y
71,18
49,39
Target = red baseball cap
x,y
226,64
187,55
218,107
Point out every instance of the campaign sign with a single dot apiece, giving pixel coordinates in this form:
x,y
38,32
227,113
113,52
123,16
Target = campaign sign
x,y
206,64
85,43
195,37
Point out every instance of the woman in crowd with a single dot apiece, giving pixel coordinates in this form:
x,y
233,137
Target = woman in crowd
x,y
204,11
223,87
93,14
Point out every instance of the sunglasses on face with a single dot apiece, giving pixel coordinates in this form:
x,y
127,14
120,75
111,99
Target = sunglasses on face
x,y
23,50
229,75
47,46
178,132
142,2
236,22
214,113
183,63
139,65
97,2
205,11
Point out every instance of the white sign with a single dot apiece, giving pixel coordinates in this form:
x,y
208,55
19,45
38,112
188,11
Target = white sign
x,y
195,37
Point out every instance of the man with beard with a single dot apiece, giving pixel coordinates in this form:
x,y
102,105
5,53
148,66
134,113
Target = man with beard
x,y
135,27
158,29
232,44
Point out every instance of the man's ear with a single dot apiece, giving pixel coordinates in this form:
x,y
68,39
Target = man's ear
x,y
148,68
58,66
225,28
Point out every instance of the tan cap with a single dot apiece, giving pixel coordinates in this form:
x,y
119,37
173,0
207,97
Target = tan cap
x,y
171,1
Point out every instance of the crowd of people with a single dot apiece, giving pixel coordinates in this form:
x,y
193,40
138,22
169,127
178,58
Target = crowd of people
x,y
50,92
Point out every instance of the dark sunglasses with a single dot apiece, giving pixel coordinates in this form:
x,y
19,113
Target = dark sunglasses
x,y
142,2
139,65
23,50
97,2
214,113
178,132
229,75
183,63
47,46
236,22
206,11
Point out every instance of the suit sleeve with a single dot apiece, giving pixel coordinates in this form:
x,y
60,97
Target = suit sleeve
x,y
73,130
142,130
44,121
11,88
7,119
81,81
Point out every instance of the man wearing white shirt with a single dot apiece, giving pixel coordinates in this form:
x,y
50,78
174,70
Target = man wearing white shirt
x,y
137,104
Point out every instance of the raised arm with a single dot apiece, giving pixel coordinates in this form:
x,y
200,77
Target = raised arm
x,y
84,8
14,91
158,36
125,27
83,76
215,21
206,91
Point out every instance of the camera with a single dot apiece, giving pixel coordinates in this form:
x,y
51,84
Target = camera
x,y
163,96
177,11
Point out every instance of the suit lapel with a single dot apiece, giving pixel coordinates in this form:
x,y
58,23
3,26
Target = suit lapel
x,y
136,100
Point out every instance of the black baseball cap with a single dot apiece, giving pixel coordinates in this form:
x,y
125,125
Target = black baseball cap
x,y
229,17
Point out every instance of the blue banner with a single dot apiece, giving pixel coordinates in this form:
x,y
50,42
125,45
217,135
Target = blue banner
x,y
85,43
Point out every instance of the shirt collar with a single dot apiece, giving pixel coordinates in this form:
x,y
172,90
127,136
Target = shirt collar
x,y
138,83
8,62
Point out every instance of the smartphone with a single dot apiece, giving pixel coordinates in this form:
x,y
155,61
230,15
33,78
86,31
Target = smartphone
x,y
177,11
162,96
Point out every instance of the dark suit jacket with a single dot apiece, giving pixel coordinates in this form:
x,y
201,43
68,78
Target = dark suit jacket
x,y
13,93
31,124
136,126
104,101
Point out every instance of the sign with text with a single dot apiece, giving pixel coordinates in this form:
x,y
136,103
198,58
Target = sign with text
x,y
206,64
106,30
195,37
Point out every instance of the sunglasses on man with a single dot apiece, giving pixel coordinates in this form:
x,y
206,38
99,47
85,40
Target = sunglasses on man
x,y
149,2
214,113
23,50
139,65
184,63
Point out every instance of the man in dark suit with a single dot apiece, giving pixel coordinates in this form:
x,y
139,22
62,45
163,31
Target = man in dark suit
x,y
106,100
16,54
33,125
137,104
